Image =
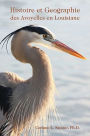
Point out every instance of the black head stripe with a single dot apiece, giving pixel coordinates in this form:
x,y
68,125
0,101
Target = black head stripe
x,y
37,29
32,28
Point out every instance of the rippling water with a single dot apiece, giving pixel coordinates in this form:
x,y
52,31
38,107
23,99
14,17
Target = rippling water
x,y
71,75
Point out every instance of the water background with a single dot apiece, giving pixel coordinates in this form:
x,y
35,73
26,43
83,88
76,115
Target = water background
x,y
71,75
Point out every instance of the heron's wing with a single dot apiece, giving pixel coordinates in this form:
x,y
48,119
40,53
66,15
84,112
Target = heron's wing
x,y
8,82
9,79
5,94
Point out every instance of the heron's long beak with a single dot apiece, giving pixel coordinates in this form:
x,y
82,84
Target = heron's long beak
x,y
66,49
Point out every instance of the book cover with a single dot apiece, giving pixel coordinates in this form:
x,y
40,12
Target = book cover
x,y
44,68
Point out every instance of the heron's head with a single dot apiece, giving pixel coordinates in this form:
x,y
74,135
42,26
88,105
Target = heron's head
x,y
45,37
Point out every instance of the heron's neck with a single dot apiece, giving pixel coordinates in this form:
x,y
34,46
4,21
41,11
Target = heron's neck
x,y
42,71
23,52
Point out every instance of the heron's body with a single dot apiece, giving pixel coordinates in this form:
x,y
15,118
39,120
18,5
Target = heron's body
x,y
24,101
37,90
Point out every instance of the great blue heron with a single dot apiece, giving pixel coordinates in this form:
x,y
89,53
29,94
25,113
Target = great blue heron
x,y
23,101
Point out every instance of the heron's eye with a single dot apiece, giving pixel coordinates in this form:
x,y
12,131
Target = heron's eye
x,y
44,36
